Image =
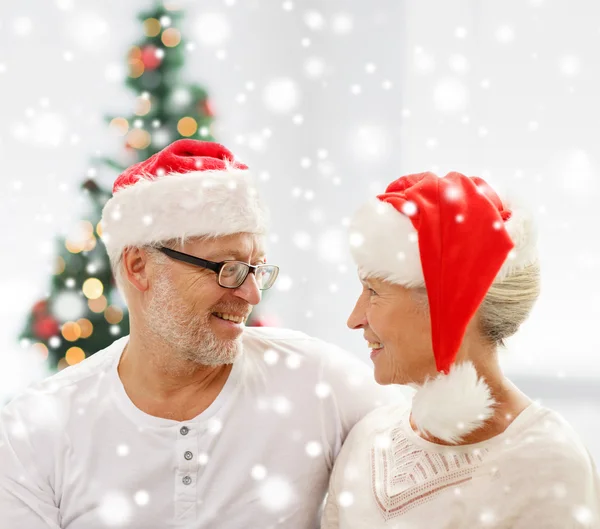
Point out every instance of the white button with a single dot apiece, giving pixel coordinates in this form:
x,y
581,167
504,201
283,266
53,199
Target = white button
x,y
184,430
186,480
188,455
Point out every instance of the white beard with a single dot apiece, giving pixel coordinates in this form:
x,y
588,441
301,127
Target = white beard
x,y
185,332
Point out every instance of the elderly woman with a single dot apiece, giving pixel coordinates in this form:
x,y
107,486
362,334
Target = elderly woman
x,y
449,271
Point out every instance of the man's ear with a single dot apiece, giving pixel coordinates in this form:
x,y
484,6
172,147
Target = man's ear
x,y
135,267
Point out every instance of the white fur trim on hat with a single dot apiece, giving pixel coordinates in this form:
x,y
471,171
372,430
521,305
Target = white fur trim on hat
x,y
450,406
521,227
198,203
384,243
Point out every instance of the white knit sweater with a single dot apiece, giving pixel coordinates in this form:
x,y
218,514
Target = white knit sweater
x,y
535,475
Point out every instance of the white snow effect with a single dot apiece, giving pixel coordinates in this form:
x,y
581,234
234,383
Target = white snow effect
x,y
314,449
575,172
123,450
142,497
212,29
342,23
322,390
570,65
583,515
65,5
68,306
460,32
424,62
284,283
180,97
450,96
409,208
345,498
293,361
44,411
271,357
488,518
314,20
115,509
46,130
161,138
302,240
54,342
458,63
282,405
356,239
258,472
22,26
332,246
276,493
370,143
314,67
281,95
89,31
505,34
215,425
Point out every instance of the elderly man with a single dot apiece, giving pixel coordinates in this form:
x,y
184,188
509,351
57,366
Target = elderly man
x,y
191,421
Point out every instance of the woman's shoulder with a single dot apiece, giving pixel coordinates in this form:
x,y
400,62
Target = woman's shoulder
x,y
549,443
379,420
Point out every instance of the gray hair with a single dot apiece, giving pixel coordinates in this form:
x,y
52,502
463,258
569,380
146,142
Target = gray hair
x,y
506,305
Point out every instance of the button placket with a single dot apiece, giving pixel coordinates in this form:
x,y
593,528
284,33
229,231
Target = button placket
x,y
186,476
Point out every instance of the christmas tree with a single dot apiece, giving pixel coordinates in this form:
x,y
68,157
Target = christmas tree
x,y
84,312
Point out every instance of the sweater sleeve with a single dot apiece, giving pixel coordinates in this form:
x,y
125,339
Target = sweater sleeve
x,y
352,394
26,497
330,517
567,497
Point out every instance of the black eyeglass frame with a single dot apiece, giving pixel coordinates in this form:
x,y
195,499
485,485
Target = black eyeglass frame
x,y
217,267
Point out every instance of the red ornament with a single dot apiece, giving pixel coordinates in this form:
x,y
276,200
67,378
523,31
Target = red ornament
x,y
46,327
208,109
149,58
40,308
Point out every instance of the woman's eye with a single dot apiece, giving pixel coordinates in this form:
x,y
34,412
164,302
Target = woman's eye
x,y
372,292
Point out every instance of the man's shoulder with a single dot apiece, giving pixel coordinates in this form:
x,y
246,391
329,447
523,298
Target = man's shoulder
x,y
298,356
278,339
73,380
301,353
381,419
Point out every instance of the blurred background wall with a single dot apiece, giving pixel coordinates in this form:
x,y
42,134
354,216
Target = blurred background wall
x,y
328,101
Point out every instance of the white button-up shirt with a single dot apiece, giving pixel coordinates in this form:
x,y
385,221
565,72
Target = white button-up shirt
x,y
76,453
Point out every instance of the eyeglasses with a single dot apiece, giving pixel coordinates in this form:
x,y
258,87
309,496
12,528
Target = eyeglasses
x,y
230,274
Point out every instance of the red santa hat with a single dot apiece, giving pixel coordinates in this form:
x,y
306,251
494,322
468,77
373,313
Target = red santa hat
x,y
456,237
190,188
